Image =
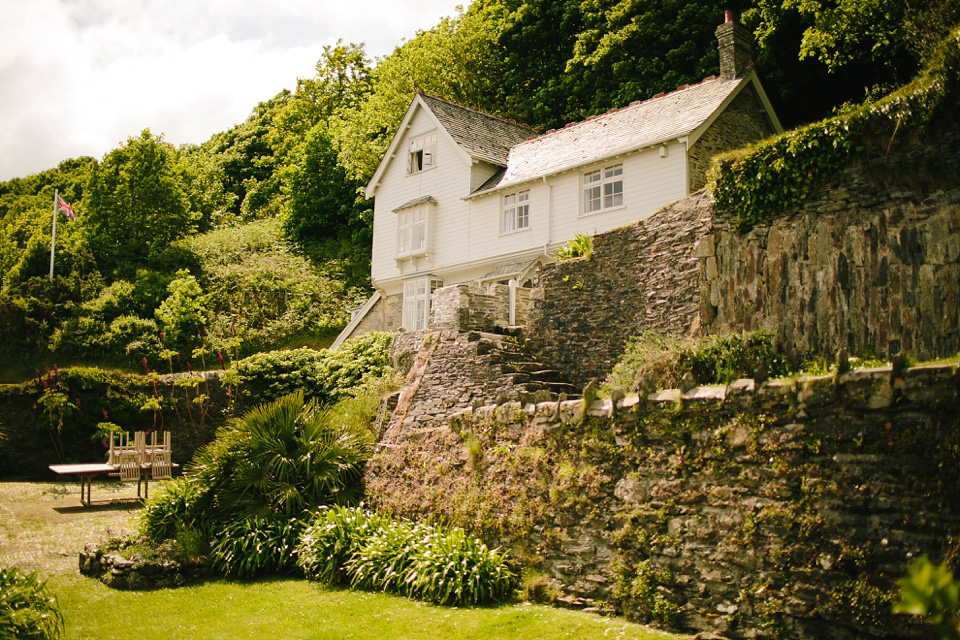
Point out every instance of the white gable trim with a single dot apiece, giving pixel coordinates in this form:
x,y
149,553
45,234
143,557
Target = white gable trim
x,y
751,79
415,104
356,320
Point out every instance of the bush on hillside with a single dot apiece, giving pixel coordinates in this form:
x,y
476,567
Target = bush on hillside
x,y
652,362
324,375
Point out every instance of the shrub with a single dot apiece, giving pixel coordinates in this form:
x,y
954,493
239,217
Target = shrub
x,y
444,566
654,362
385,559
283,458
256,546
27,609
331,539
452,568
725,358
324,375
930,591
178,504
580,246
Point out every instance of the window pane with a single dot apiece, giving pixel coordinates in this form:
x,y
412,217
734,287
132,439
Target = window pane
x,y
508,218
419,237
593,176
591,199
523,216
524,196
610,172
613,194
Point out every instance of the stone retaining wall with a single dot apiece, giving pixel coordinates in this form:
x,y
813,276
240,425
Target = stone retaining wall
x,y
869,263
785,509
642,277
465,307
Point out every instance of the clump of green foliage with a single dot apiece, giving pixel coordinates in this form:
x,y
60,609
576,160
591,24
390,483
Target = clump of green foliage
x,y
779,173
27,609
580,246
929,590
260,545
438,564
249,489
324,375
652,362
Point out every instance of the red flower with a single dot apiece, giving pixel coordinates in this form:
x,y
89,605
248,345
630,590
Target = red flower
x,y
145,367
161,337
188,366
220,358
105,414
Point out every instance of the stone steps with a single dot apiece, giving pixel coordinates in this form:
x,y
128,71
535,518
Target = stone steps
x,y
514,361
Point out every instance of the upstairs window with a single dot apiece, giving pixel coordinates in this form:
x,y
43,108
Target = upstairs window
x,y
603,189
516,211
412,231
423,153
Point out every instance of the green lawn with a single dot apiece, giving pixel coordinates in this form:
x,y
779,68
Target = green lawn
x,y
42,528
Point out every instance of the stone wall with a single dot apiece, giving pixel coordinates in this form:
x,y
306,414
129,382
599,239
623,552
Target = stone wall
x,y
740,124
26,447
869,263
466,307
386,315
448,371
139,574
641,277
782,510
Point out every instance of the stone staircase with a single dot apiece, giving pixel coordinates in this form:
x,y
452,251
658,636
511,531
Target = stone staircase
x,y
535,378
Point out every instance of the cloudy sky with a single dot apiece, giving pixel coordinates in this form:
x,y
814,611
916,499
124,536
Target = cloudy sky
x,y
78,77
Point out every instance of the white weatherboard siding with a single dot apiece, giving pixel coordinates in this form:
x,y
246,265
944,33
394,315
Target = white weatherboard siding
x,y
447,183
465,235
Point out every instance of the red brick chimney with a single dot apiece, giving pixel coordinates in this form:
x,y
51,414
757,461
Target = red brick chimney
x,y
736,51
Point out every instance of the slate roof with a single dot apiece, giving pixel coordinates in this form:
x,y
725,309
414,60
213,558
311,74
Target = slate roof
x,y
658,119
481,135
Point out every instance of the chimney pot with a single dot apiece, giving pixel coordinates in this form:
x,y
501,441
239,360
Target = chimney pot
x,y
728,16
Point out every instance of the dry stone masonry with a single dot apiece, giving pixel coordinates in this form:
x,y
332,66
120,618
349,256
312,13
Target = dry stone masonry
x,y
641,277
780,510
870,263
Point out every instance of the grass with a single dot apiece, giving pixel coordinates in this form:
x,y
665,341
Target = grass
x,y
42,526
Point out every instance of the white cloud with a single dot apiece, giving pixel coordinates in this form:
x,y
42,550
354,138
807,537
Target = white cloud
x,y
78,77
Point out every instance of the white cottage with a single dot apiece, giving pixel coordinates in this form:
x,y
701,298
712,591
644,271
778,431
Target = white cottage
x,y
465,197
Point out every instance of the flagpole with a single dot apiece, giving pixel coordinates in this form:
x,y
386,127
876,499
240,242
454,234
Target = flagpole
x,y
53,234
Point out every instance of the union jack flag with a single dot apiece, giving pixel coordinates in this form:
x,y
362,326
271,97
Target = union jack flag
x,y
65,208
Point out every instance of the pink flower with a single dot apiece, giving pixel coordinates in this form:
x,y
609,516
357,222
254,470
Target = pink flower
x,y
161,337
144,362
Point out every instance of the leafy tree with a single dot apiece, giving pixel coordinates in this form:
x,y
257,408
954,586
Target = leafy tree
x,y
183,314
135,204
457,59
322,200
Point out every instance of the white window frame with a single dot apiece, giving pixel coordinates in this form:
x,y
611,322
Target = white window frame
x,y
602,189
417,293
413,231
422,153
516,212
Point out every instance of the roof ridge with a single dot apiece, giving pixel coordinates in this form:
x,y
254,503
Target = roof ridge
x,y
634,104
478,111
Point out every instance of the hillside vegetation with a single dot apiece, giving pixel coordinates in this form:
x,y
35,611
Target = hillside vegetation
x,y
259,238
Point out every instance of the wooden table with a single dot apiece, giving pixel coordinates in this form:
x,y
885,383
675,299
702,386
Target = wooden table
x,y
89,471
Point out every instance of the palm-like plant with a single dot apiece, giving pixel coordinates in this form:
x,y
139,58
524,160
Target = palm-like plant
x,y
284,457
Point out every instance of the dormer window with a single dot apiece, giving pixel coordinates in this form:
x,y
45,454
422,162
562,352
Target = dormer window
x,y
423,153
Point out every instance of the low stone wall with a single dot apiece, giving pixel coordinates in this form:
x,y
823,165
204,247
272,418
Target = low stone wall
x,y
26,447
869,263
783,510
137,574
465,307
641,277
